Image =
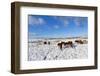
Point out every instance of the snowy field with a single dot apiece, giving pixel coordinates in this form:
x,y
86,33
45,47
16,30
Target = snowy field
x,y
40,51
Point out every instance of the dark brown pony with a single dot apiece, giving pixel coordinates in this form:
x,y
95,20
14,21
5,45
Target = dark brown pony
x,y
68,44
65,44
47,42
60,45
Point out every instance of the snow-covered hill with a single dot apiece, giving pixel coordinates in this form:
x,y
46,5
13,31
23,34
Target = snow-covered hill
x,y
40,51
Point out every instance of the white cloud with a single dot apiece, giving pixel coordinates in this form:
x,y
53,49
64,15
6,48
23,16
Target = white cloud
x,y
36,20
32,33
77,22
56,26
64,20
41,21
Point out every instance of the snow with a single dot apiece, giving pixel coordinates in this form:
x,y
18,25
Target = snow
x,y
39,51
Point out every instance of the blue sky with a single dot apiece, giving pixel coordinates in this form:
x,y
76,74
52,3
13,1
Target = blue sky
x,y
57,26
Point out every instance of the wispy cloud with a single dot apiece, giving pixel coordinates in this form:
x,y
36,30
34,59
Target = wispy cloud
x,y
63,20
32,34
80,21
36,20
66,22
77,22
56,26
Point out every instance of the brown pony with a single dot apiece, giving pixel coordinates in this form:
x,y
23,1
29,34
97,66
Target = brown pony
x,y
79,41
65,44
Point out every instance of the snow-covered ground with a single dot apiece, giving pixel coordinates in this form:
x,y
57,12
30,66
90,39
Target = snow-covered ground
x,y
40,51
